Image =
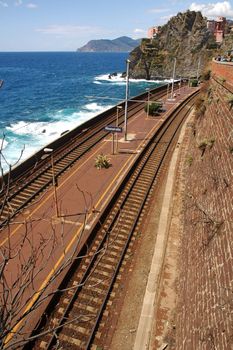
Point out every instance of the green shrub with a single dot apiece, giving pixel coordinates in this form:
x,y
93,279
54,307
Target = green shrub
x,y
154,108
193,82
203,144
189,160
206,75
211,142
206,143
200,107
102,161
230,100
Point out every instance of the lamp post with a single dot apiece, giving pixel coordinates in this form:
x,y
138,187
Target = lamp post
x,y
48,151
168,86
173,78
179,85
198,68
126,96
148,103
117,124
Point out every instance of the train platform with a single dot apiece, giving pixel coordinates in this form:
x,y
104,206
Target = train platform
x,y
46,236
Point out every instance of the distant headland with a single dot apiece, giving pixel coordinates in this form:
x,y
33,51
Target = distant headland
x,y
121,44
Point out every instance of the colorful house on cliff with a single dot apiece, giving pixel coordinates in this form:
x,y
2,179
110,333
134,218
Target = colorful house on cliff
x,y
152,32
217,28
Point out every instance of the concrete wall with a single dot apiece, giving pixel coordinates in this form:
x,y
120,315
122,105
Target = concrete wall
x,y
205,287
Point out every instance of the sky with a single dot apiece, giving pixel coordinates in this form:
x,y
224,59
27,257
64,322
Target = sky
x,y
65,25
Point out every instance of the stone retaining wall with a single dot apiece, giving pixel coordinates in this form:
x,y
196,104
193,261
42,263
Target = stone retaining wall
x,y
223,70
205,287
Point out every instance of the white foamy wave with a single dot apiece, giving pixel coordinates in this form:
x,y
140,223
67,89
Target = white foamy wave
x,y
119,79
96,108
106,77
3,143
50,131
23,128
33,136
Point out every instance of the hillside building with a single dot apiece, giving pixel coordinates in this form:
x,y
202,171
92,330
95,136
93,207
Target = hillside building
x,y
217,28
153,32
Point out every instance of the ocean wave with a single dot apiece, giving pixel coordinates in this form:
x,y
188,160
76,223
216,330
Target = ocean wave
x,y
119,79
50,130
33,136
3,143
95,107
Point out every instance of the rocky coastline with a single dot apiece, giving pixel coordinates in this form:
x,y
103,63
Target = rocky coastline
x,y
186,38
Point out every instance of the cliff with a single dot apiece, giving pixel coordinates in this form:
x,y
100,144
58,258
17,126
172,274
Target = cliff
x,y
122,44
185,37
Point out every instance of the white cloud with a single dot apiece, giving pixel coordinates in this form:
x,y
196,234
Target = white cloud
x,y
157,10
3,4
139,33
137,30
31,6
71,31
165,19
214,9
18,2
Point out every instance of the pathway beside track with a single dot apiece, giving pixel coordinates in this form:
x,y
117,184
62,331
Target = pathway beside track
x,y
144,335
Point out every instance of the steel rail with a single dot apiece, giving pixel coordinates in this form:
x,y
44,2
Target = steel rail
x,y
136,218
143,158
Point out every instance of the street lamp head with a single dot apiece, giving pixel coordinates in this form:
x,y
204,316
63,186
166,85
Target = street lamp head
x,y
119,107
48,150
128,61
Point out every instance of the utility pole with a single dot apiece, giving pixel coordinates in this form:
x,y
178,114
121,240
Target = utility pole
x,y
148,102
173,78
126,96
48,151
168,87
198,68
117,124
179,85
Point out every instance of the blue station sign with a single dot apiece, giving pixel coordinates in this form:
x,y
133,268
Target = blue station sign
x,y
113,128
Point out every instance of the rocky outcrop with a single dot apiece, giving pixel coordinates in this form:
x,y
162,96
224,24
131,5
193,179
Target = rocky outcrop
x,y
227,45
185,37
122,44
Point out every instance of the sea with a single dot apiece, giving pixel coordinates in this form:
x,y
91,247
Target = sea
x,y
47,93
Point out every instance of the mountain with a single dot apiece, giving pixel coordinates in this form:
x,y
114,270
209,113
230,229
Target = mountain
x,y
185,37
122,44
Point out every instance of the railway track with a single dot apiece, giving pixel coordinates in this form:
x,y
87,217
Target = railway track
x,y
78,315
24,190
